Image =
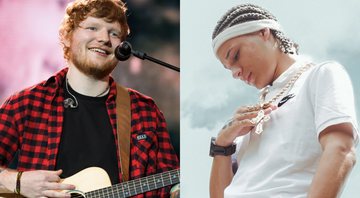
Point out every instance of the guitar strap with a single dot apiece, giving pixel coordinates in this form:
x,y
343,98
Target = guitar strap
x,y
123,117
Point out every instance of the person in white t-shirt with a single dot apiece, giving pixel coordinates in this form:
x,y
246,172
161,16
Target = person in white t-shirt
x,y
299,139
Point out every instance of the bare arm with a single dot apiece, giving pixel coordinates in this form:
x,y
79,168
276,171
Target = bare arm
x,y
3,189
221,175
336,162
38,183
221,171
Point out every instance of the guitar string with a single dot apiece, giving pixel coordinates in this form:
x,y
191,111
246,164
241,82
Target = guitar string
x,y
132,190
165,180
141,180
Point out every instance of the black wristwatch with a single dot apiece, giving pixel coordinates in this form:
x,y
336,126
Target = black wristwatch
x,y
221,150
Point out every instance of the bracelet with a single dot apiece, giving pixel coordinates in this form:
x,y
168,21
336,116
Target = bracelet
x,y
17,189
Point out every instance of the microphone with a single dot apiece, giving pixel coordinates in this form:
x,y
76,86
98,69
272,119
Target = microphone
x,y
124,51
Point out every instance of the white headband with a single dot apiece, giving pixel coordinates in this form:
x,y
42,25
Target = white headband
x,y
241,29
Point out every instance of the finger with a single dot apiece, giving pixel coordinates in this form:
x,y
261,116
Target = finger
x,y
235,125
245,109
254,117
53,193
273,107
54,176
240,117
242,127
244,123
242,109
59,172
56,172
59,186
269,109
243,116
251,108
246,115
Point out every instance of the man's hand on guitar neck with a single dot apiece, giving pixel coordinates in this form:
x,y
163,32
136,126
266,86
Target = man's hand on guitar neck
x,y
39,183
175,191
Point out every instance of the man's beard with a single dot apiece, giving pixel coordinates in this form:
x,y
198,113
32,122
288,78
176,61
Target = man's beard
x,y
90,68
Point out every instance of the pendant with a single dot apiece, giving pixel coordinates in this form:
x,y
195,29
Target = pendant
x,y
260,115
259,121
259,128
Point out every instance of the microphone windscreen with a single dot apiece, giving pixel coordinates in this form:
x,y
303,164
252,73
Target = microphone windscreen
x,y
123,51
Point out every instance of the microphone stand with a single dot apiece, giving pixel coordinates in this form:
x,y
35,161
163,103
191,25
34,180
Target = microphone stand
x,y
143,56
124,51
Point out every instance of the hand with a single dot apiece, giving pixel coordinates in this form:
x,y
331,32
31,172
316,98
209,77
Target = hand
x,y
40,183
175,191
241,124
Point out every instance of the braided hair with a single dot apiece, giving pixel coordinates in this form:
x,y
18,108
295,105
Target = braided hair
x,y
249,12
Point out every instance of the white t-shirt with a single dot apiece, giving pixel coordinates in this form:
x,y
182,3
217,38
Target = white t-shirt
x,y
282,160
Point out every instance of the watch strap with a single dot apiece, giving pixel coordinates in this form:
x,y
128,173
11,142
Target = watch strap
x,y
221,150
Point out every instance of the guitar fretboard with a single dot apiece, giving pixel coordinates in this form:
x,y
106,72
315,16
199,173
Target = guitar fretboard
x,y
137,186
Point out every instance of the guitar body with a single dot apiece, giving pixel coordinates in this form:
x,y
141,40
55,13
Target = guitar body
x,y
94,182
87,180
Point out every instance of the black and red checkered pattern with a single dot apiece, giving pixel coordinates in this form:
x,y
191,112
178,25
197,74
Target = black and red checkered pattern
x,y
31,121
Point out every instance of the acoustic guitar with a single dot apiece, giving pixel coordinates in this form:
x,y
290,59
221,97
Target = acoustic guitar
x,y
94,182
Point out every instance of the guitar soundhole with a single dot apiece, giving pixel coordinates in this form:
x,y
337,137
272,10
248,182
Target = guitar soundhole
x,y
77,194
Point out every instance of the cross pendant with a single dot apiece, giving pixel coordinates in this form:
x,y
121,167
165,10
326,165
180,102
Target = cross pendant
x,y
260,119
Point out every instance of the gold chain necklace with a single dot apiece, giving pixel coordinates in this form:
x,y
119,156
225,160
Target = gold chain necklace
x,y
261,117
284,89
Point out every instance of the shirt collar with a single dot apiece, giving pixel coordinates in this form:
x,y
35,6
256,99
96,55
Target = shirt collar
x,y
58,78
290,71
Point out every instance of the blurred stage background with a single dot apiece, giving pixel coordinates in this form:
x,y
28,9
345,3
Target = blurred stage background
x,y
30,51
325,30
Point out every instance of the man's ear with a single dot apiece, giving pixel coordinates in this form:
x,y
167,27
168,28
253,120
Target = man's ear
x,y
67,41
265,33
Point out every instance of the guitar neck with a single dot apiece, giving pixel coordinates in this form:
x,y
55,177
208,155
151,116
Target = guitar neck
x,y
138,186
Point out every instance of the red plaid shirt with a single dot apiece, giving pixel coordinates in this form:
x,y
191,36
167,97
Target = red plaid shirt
x,y
31,121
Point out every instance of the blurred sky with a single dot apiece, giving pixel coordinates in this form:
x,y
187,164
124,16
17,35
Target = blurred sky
x,y
209,95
